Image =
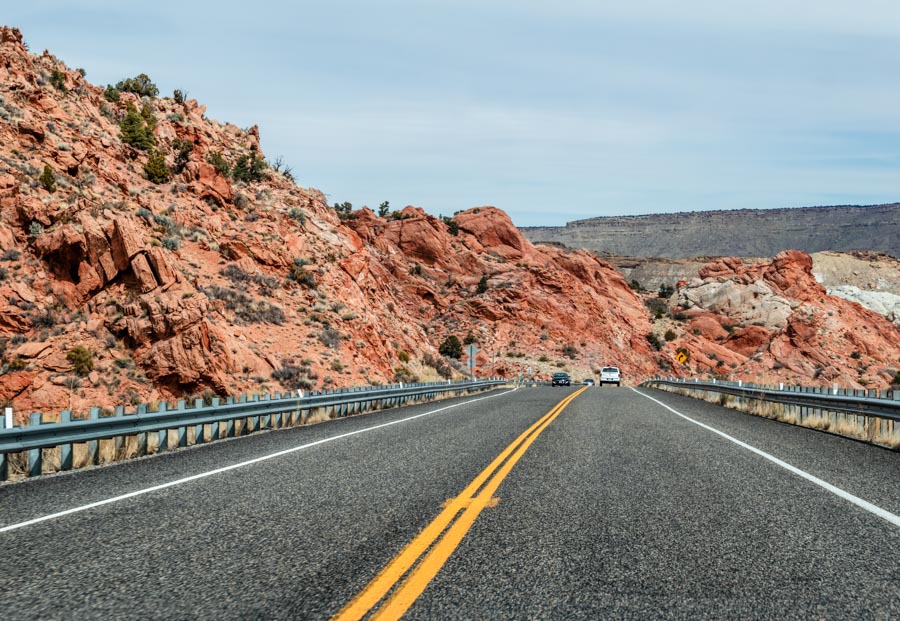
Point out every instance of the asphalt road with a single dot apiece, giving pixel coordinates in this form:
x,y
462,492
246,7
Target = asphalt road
x,y
618,508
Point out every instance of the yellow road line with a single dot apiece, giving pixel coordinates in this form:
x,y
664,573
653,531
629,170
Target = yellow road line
x,y
466,502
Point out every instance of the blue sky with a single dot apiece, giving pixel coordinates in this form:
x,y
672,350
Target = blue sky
x,y
552,111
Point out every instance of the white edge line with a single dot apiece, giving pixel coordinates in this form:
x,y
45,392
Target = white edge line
x,y
242,464
859,502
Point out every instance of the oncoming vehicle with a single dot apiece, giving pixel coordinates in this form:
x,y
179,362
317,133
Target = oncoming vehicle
x,y
610,375
588,381
561,379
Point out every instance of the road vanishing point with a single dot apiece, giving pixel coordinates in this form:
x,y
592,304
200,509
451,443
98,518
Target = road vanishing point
x,y
534,503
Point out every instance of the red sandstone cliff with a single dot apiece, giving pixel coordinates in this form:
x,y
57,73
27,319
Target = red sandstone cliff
x,y
203,283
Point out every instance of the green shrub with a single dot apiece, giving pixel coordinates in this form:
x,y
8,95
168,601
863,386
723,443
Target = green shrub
x,y
112,94
48,179
670,335
666,291
297,214
218,161
156,168
654,341
58,81
250,167
183,149
140,85
135,131
404,375
384,208
570,351
403,356
896,381
179,96
544,358
482,285
452,226
470,338
451,347
81,359
300,275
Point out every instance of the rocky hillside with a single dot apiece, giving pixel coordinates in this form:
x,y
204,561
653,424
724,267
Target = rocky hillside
x,y
771,321
148,252
740,233
870,278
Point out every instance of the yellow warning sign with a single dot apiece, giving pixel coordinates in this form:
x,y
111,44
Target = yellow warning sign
x,y
681,357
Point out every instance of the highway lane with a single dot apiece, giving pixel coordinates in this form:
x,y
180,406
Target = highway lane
x,y
617,508
624,510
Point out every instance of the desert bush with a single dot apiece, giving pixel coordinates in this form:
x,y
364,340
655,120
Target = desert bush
x,y
297,214
402,374
451,348
543,358
218,161
156,169
135,130
112,94
58,81
654,341
665,291
452,226
302,276
250,167
44,320
670,335
81,359
171,243
403,356
330,337
384,208
570,351
635,285
178,95
140,85
482,285
182,148
48,179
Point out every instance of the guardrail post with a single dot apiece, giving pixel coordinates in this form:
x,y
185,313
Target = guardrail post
x,y
229,424
119,441
199,430
35,456
182,431
8,418
162,436
142,437
65,450
93,446
215,428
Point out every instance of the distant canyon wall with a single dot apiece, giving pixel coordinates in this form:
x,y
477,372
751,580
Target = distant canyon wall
x,y
741,233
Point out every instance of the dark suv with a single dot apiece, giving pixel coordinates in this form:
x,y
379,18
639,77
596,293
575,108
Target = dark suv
x,y
561,379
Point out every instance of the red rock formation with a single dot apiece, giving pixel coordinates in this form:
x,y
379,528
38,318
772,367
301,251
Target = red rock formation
x,y
204,283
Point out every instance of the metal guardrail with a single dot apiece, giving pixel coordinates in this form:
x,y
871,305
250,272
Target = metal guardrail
x,y
884,404
266,411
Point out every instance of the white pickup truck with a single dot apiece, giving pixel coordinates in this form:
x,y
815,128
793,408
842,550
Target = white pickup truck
x,y
610,375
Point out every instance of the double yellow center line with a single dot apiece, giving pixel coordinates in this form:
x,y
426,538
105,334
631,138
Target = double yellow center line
x,y
453,523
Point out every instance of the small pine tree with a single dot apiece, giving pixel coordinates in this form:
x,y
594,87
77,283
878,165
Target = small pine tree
x,y
384,208
140,85
81,359
58,80
48,179
183,149
179,96
135,131
218,161
156,168
112,94
451,347
482,285
248,168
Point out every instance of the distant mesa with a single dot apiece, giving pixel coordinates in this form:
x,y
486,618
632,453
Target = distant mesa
x,y
742,233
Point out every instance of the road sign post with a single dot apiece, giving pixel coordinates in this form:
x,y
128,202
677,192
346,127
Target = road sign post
x,y
471,350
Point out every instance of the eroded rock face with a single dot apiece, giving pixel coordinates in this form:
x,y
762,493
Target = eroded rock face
x,y
786,327
205,284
